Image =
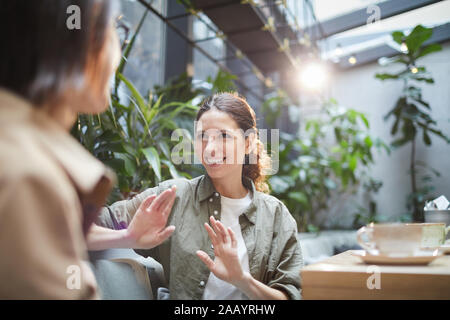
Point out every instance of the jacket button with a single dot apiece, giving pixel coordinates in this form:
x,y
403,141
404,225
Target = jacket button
x,y
216,212
217,194
210,199
202,283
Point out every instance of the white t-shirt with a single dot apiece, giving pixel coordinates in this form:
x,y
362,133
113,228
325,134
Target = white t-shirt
x,y
215,288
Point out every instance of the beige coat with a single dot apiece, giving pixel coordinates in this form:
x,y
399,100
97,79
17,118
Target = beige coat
x,y
50,191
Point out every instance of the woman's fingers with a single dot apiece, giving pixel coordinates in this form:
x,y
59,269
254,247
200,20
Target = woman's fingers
x,y
166,233
169,204
152,239
220,230
232,237
171,198
145,205
168,195
223,232
212,234
216,229
160,202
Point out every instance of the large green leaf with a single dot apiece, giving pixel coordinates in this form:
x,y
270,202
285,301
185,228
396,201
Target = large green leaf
x,y
134,92
352,163
153,109
364,119
173,171
429,49
398,36
417,37
223,82
426,138
299,197
386,76
368,141
424,79
164,148
152,157
136,99
130,166
118,165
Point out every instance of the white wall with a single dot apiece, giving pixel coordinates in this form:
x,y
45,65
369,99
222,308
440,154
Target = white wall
x,y
357,88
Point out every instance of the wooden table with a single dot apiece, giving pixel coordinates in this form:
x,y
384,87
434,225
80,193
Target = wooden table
x,y
346,276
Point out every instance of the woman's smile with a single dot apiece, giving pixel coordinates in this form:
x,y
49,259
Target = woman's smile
x,y
214,162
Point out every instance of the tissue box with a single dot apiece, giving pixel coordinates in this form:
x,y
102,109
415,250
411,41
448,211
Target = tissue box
x,y
436,216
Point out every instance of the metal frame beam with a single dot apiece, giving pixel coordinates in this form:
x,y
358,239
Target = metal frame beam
x,y
359,17
195,45
440,34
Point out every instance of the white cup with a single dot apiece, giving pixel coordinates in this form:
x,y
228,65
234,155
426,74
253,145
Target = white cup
x,y
395,239
433,234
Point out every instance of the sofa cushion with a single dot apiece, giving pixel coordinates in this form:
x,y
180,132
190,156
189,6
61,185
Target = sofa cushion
x,y
123,274
320,246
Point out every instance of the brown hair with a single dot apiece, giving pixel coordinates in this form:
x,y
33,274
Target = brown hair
x,y
40,57
240,111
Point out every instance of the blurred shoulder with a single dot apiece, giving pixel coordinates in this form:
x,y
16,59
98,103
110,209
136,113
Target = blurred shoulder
x,y
23,160
182,184
276,209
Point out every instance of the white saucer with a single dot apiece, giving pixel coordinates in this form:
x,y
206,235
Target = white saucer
x,y
445,248
421,258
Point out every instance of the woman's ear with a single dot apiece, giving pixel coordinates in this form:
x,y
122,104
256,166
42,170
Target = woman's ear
x,y
250,143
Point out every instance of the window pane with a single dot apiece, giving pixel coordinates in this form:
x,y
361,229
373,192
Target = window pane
x,y
215,47
145,62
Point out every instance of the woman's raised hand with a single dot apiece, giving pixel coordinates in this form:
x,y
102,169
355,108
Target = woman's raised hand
x,y
148,228
226,265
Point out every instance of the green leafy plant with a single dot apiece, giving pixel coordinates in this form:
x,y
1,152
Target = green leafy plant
x,y
314,165
273,106
412,115
365,215
223,81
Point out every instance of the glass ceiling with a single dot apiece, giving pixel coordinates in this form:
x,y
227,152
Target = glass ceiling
x,y
368,36
328,9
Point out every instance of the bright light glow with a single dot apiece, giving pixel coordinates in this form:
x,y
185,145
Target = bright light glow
x,y
352,60
404,47
314,76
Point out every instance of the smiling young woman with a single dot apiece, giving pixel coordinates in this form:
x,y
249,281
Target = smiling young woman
x,y
232,239
234,150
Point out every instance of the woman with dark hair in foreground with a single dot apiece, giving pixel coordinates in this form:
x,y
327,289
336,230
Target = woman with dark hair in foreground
x,y
51,188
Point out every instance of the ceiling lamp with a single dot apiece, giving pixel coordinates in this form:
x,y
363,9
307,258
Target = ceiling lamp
x,y
314,75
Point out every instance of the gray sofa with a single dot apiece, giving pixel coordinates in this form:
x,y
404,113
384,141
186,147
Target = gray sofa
x,y
320,246
124,275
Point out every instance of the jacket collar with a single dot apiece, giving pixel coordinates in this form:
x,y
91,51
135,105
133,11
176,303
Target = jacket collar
x,y
206,189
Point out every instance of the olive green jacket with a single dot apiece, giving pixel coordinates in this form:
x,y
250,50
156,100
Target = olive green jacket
x,y
268,229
